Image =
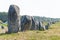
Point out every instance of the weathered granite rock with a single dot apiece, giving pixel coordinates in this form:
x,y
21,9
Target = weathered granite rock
x,y
36,25
41,26
26,23
47,26
13,19
33,24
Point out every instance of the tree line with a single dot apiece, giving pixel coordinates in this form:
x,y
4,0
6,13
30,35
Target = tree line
x,y
4,18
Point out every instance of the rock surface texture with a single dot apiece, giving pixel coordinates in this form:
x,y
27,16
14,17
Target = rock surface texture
x,y
26,23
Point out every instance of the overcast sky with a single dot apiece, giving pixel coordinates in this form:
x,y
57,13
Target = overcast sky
x,y
47,8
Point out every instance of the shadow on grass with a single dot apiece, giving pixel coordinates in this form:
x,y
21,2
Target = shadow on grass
x,y
3,34
6,33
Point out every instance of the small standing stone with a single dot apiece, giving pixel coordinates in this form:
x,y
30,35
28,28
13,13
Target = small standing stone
x,y
47,26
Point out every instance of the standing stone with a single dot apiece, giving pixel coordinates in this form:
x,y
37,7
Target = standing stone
x,y
13,19
33,24
36,25
41,26
26,23
47,26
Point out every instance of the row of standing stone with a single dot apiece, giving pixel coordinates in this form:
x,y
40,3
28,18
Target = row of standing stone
x,y
30,23
26,22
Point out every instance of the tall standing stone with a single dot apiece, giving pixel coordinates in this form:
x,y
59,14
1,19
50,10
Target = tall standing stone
x,y
13,19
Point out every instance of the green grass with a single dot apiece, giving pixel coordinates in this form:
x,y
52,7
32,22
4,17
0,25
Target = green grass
x,y
30,35
52,34
5,25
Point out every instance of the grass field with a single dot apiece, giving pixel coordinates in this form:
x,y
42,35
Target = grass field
x,y
52,34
